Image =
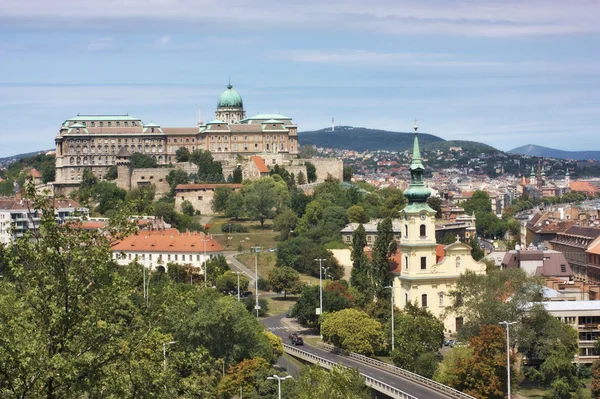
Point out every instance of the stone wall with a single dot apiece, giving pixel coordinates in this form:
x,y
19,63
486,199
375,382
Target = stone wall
x,y
200,199
324,166
156,176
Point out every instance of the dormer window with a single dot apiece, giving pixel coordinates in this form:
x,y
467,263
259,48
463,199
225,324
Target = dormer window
x,y
109,124
101,124
118,124
125,123
83,123
93,124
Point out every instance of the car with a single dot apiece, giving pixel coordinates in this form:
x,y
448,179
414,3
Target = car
x,y
288,315
297,340
272,249
449,342
457,343
292,336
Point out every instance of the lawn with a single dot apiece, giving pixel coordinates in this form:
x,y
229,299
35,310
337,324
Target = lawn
x,y
532,391
280,305
266,262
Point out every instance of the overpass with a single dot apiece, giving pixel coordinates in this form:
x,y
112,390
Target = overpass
x,y
382,377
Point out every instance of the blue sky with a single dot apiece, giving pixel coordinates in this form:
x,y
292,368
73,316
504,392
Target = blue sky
x,y
506,73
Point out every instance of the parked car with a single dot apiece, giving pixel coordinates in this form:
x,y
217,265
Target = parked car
x,y
297,340
457,343
272,249
449,342
292,336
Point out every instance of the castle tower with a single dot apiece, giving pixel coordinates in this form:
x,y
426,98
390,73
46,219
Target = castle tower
x,y
123,169
230,107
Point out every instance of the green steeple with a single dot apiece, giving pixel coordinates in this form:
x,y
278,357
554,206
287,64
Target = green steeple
x,y
532,171
416,192
567,172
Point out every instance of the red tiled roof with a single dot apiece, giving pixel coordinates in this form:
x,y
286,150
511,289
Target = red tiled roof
x,y
583,186
260,164
439,253
205,186
169,240
594,249
34,173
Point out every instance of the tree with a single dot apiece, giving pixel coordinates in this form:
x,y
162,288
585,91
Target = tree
x,y
450,238
235,206
418,334
260,199
311,172
596,379
436,204
88,179
242,375
108,196
333,301
476,250
285,223
182,154
238,177
300,253
187,208
216,267
300,178
361,276
479,202
357,214
348,171
219,201
354,331
142,161
384,248
140,199
227,283
339,382
284,279
209,170
176,177
111,173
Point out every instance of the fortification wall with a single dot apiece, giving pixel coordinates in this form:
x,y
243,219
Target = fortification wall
x,y
156,176
200,199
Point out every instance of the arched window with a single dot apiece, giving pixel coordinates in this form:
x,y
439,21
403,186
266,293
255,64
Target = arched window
x,y
424,300
441,297
406,231
458,262
423,230
405,262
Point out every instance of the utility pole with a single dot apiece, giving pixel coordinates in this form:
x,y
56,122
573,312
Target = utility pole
x,y
256,249
391,287
507,325
205,275
238,286
320,312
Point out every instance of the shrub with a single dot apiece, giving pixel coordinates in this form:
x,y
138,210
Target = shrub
x,y
234,228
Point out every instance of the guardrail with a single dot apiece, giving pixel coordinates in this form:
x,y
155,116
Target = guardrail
x,y
328,364
399,371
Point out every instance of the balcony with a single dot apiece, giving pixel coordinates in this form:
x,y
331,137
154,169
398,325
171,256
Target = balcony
x,y
589,326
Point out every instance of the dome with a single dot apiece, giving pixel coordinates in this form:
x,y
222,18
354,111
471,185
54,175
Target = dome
x,y
417,193
230,99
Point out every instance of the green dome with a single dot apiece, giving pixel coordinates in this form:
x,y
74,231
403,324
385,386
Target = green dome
x,y
417,193
230,99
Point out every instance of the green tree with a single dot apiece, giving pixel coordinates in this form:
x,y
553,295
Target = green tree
x,y
300,178
182,154
354,331
384,248
284,279
108,196
7,187
333,301
339,382
361,276
596,379
187,208
311,172
209,170
285,223
216,267
300,253
227,283
418,334
88,179
357,214
238,177
142,161
260,199
235,206
450,238
348,172
111,173
479,202
436,204
220,198
140,199
476,250
176,177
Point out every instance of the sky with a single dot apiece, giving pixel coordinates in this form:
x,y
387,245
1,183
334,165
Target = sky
x,y
503,72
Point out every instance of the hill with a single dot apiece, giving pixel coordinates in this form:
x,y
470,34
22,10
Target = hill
x,y
539,151
362,138
472,147
6,160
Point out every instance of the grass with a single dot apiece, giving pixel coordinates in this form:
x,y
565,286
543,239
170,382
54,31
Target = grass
x,y
533,391
266,262
280,305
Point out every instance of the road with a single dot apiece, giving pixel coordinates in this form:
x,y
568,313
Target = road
x,y
275,325
239,266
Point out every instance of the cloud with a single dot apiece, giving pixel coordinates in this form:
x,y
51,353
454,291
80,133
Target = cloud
x,y
102,44
162,43
491,18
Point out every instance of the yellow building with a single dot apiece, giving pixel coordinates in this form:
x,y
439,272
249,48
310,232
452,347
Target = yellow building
x,y
423,277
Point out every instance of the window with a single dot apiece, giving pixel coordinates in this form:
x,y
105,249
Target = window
x,y
441,299
423,230
424,300
348,238
405,298
423,263
182,257
406,231
175,257
405,262
369,238
93,124
101,124
109,124
118,124
563,268
127,124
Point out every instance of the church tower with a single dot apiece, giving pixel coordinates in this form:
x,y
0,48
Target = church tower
x,y
567,178
532,177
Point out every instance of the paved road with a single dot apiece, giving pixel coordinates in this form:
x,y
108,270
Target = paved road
x,y
274,324
239,266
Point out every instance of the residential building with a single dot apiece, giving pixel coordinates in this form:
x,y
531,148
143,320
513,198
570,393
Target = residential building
x,y
540,263
155,249
574,243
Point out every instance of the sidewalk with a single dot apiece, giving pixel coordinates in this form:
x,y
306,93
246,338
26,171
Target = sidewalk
x,y
239,266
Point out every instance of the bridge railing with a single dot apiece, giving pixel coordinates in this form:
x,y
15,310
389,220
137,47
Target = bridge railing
x,y
328,364
399,371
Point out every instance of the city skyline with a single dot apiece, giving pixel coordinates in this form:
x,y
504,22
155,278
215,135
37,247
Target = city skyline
x,y
503,73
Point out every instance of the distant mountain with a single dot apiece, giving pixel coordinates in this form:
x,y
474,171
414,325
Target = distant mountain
x,y
20,156
468,146
362,138
539,151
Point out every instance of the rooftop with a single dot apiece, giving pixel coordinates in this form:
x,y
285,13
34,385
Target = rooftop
x,y
167,241
125,117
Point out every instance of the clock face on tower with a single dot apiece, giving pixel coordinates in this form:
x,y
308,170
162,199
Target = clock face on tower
x,y
423,216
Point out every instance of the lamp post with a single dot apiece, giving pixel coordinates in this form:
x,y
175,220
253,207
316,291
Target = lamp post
x,y
165,354
279,379
205,275
507,325
238,292
391,287
256,249
320,290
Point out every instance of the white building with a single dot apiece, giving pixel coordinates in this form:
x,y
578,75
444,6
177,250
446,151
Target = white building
x,y
155,249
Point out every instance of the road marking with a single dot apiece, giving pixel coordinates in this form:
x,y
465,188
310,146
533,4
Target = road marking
x,y
277,328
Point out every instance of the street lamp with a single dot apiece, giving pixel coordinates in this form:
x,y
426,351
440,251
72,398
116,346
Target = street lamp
x,y
507,325
256,249
391,287
279,379
238,274
205,278
165,353
320,290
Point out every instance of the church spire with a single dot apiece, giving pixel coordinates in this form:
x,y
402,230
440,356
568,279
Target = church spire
x,y
416,192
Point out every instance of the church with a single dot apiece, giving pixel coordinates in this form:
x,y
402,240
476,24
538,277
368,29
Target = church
x,y
427,271
93,141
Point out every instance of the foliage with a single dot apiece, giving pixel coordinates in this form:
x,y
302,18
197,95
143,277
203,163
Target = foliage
x,y
209,170
450,238
112,173
348,172
250,301
300,253
339,382
361,276
300,178
234,228
333,301
596,379
108,196
139,160
140,199
298,202
357,214
242,375
216,267
285,223
187,208
235,206
476,250
227,283
237,177
220,198
384,248
284,279
418,333
176,177
354,331
311,172
284,174
182,154
265,195
436,204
